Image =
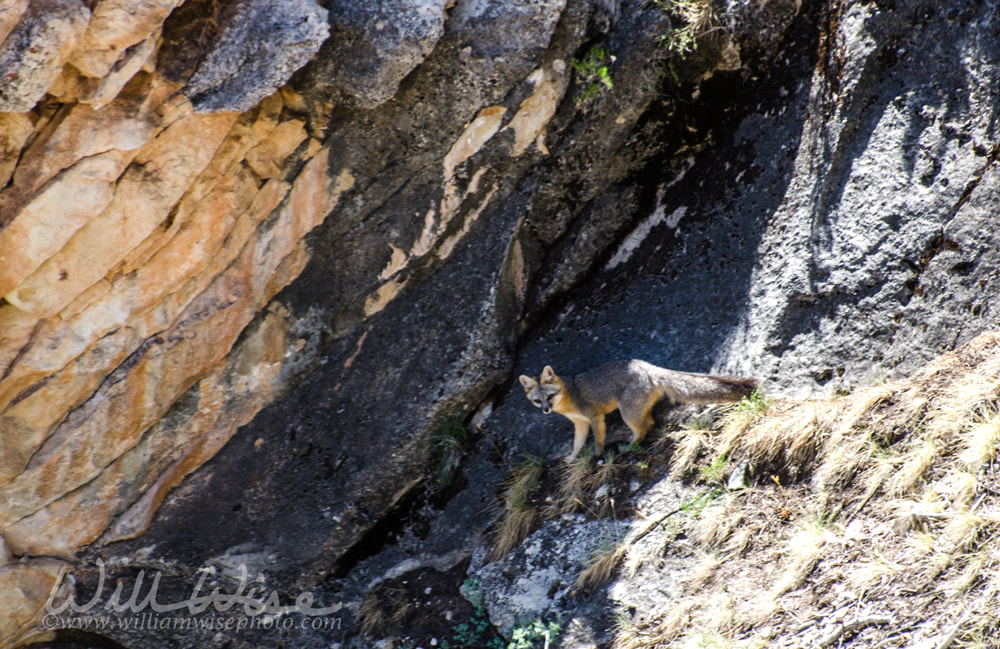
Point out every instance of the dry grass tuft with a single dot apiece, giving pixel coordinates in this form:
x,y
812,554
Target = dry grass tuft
x,y
803,551
518,516
972,570
964,530
845,454
715,525
374,620
918,545
979,446
692,444
381,611
574,477
916,463
739,542
515,526
703,571
968,398
958,487
907,474
662,631
602,474
600,568
914,515
786,438
877,573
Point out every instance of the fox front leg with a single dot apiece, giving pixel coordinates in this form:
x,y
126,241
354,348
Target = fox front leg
x,y
580,436
597,424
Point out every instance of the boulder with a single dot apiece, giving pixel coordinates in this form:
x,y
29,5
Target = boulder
x,y
33,54
259,47
374,45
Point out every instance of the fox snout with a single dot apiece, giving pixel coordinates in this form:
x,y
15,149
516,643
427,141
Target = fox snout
x,y
537,394
540,401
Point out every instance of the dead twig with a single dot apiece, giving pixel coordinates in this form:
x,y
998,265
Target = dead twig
x,y
652,526
853,625
864,503
950,637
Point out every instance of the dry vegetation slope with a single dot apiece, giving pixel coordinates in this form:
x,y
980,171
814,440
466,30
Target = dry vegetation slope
x,y
871,520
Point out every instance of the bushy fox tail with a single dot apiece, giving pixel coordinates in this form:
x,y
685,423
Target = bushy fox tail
x,y
686,387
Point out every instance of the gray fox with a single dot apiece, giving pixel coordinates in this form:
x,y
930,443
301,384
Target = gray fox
x,y
633,387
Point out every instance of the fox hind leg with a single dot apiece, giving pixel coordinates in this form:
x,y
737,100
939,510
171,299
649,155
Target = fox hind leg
x,y
639,418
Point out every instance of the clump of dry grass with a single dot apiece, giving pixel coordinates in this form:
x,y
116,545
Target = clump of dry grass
x,y
906,477
373,618
516,524
603,473
715,525
574,477
600,568
706,566
979,446
696,17
518,516
691,445
803,551
384,610
664,629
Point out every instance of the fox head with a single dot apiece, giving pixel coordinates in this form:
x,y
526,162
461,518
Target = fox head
x,y
544,392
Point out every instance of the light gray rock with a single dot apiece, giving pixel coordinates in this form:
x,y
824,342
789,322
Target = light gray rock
x,y
33,54
374,46
894,143
738,479
261,46
522,20
534,581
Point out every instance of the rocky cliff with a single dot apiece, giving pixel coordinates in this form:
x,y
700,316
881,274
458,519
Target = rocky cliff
x,y
269,268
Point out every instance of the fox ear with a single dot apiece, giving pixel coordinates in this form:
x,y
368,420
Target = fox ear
x,y
548,373
528,382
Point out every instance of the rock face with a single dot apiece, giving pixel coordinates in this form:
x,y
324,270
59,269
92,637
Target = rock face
x,y
373,46
894,156
539,579
259,48
259,261
36,49
139,240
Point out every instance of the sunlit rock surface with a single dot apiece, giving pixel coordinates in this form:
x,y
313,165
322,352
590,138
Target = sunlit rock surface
x,y
258,258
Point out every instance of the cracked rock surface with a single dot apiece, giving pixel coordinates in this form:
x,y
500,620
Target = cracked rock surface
x,y
261,261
